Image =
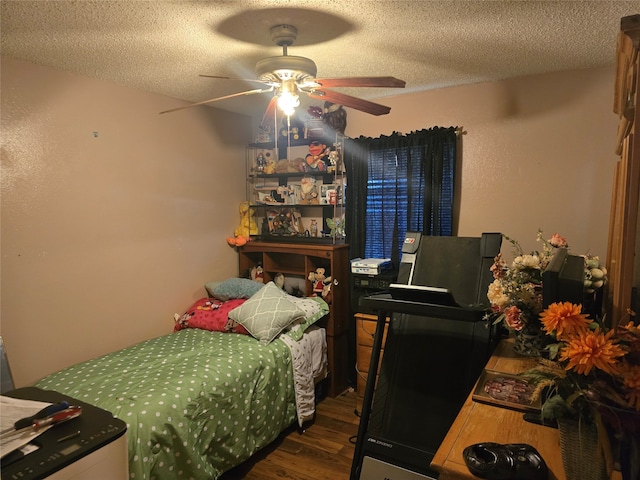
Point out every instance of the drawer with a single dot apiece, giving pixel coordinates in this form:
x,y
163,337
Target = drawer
x,y
364,359
366,329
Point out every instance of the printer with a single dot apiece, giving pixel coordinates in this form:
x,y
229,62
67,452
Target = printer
x,y
92,446
370,266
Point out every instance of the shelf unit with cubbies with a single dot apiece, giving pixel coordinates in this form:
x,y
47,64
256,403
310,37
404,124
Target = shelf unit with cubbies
x,y
297,260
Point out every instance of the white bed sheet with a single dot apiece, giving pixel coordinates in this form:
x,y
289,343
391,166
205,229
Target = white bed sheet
x,y
309,356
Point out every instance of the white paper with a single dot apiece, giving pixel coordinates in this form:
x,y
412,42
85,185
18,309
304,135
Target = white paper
x,y
12,410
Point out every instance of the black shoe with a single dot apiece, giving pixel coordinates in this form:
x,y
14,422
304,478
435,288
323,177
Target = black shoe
x,y
515,461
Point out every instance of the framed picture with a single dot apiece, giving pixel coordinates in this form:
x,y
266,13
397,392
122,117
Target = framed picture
x,y
329,194
506,390
285,222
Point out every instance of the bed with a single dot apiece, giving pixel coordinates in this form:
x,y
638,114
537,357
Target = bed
x,y
202,399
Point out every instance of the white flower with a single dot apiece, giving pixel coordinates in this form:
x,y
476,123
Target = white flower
x,y
526,261
496,294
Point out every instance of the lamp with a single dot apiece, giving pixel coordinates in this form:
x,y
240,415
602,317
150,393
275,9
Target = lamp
x,y
288,100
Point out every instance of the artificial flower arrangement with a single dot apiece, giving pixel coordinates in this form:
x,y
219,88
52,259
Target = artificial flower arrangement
x,y
592,374
516,291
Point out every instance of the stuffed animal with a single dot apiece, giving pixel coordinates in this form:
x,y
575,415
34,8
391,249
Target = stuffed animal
x,y
319,281
327,294
242,234
279,280
288,166
295,286
255,273
292,285
317,159
282,166
269,165
335,116
308,191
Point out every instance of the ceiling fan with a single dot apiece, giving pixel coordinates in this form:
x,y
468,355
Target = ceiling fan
x,y
287,76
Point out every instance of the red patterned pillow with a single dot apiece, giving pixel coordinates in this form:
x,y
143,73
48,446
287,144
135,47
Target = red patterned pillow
x,y
211,314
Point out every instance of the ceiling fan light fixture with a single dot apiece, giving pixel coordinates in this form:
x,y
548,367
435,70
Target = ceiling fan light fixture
x,y
288,99
287,102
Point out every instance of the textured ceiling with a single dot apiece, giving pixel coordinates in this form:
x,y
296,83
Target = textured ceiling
x,y
163,46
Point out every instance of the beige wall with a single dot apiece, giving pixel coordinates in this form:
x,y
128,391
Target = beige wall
x,y
105,238
106,235
538,152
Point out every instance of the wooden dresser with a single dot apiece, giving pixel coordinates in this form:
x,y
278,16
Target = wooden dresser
x,y
365,330
478,422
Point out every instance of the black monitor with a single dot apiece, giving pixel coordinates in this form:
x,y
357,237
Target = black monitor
x,y
563,281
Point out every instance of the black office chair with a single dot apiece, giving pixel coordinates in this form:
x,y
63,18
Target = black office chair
x,y
6,379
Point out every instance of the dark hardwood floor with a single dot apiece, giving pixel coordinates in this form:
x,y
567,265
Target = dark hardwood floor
x,y
322,452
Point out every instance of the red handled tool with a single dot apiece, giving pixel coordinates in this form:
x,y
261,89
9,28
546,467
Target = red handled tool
x,y
52,419
45,412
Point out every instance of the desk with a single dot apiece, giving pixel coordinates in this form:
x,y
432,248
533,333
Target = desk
x,y
478,422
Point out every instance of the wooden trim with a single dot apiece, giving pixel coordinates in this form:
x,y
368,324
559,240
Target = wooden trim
x,y
623,224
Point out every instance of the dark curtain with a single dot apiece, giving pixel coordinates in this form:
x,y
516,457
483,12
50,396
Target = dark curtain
x,y
404,183
356,162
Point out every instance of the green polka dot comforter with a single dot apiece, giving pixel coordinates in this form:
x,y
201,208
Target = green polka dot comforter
x,y
196,402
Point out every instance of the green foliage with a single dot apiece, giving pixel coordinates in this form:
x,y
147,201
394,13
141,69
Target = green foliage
x,y
555,407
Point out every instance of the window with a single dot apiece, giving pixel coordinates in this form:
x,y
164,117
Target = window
x,y
409,187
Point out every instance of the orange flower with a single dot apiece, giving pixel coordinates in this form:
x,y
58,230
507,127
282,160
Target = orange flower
x,y
631,327
591,349
564,318
631,378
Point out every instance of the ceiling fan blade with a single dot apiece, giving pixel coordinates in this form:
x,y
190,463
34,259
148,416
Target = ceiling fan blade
x,y
233,95
352,102
269,112
387,82
235,78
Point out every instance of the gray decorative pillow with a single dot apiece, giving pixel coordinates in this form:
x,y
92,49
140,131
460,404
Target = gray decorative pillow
x,y
314,309
233,288
267,313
